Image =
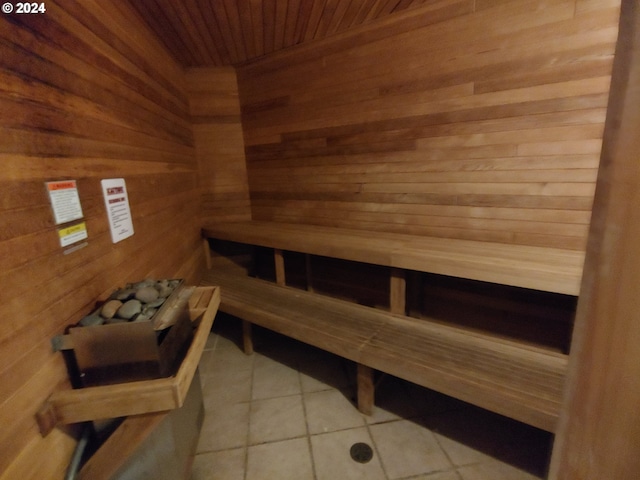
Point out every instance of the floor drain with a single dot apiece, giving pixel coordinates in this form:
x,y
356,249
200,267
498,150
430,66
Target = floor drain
x,y
361,452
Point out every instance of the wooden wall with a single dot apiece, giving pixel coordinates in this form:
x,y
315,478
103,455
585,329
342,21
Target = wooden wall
x,y
460,118
599,429
215,110
85,94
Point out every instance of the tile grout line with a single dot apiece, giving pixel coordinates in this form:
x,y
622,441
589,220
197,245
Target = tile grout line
x,y
306,424
246,442
375,448
446,454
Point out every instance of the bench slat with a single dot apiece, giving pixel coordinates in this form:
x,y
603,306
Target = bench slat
x,y
540,268
518,380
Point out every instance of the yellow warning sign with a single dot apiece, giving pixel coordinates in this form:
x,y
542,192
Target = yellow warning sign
x,y
72,234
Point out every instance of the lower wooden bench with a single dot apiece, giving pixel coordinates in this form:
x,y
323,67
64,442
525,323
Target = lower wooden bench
x,y
513,379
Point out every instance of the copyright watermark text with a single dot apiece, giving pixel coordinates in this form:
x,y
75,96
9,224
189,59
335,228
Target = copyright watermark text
x,y
24,8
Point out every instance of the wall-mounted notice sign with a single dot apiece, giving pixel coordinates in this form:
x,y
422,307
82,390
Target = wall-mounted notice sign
x,y
72,234
118,211
65,201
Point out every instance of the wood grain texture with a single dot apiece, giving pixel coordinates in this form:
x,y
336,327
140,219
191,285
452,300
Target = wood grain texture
x,y
215,112
599,432
226,32
521,381
444,121
87,93
539,268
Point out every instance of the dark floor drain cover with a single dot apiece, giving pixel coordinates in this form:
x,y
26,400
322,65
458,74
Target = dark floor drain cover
x,y
361,452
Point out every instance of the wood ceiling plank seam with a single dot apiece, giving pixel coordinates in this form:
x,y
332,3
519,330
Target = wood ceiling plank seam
x,y
293,11
403,5
325,20
246,27
282,6
155,14
233,19
304,16
219,41
349,15
383,29
257,26
226,35
194,9
418,3
184,18
269,16
338,16
365,8
314,19
389,8
375,11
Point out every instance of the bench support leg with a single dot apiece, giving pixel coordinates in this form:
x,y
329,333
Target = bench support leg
x,y
308,273
247,338
279,262
398,291
207,253
365,389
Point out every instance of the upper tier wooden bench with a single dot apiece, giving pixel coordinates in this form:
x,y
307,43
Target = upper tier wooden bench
x,y
539,268
518,380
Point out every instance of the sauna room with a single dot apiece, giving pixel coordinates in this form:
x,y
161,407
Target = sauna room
x,y
320,239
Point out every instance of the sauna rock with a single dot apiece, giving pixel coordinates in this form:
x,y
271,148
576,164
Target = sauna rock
x,y
110,308
142,331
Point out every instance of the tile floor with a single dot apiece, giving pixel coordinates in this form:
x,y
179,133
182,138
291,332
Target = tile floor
x,y
287,412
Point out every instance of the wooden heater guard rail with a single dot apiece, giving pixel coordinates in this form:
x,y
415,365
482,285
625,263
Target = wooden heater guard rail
x,y
141,397
520,381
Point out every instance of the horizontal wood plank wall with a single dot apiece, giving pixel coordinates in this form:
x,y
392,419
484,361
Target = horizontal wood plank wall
x,y
86,94
465,119
215,110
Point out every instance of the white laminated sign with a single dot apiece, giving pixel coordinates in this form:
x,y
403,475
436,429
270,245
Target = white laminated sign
x,y
118,211
65,201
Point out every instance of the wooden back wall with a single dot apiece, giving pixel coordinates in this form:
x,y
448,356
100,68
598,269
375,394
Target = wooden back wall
x,y
215,110
85,94
460,119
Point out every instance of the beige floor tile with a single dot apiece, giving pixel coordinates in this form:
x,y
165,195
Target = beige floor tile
x,y
276,419
211,341
225,428
216,361
332,459
329,411
274,379
286,460
461,454
226,388
224,465
407,449
494,470
450,475
271,399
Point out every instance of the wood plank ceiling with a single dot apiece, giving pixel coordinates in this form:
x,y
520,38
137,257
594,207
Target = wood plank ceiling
x,y
202,33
